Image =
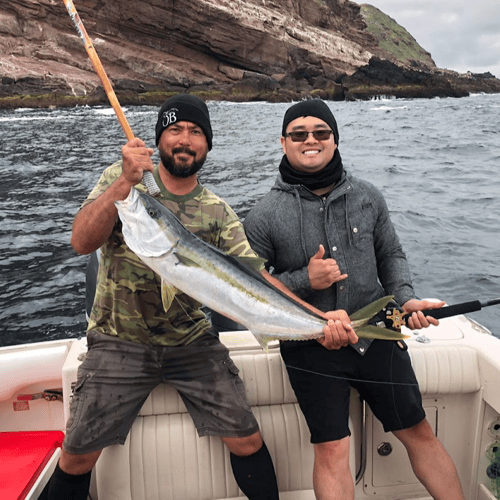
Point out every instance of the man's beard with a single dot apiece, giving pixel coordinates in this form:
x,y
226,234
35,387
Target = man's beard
x,y
179,168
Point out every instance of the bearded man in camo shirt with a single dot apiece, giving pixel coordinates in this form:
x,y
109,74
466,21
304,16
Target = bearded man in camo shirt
x,y
135,340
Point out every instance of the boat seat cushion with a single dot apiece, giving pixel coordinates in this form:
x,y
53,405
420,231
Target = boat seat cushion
x,y
445,369
23,456
163,458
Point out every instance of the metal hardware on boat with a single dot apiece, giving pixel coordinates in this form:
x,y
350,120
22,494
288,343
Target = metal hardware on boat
x,y
494,427
493,454
423,338
384,449
476,326
48,395
362,465
493,470
493,448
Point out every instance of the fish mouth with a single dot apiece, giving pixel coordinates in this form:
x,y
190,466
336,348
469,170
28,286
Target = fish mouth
x,y
141,231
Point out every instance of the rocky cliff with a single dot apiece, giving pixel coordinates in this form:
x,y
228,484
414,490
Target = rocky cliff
x,y
237,50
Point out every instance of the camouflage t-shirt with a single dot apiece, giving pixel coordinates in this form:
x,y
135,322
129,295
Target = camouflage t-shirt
x,y
128,301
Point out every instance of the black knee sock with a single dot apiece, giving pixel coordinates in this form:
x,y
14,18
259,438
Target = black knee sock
x,y
255,475
64,486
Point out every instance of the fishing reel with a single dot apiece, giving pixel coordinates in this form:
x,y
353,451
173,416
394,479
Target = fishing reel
x,y
391,316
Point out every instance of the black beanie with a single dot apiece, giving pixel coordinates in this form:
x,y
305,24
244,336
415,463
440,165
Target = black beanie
x,y
312,107
184,107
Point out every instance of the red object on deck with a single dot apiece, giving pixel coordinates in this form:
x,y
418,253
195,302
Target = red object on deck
x,y
23,455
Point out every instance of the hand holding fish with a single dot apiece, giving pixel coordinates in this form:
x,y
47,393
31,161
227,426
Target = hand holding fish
x,y
136,160
323,272
338,331
417,319
226,285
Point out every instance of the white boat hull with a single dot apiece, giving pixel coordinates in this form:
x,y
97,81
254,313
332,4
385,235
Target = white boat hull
x,y
458,373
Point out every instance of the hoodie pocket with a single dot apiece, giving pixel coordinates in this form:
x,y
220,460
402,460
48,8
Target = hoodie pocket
x,y
361,228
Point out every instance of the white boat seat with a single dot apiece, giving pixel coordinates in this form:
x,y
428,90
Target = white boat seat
x,y
445,369
163,458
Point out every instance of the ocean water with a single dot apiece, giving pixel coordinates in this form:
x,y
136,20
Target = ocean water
x,y
437,162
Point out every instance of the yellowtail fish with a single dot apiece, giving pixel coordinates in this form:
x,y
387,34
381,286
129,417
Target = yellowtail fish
x,y
223,283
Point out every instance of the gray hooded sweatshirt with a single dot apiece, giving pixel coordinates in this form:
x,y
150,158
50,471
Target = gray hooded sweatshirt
x,y
352,222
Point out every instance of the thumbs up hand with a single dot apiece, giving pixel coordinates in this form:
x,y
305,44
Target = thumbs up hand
x,y
323,272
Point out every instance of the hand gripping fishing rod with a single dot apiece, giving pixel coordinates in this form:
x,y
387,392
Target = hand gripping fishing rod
x,y
398,319
148,178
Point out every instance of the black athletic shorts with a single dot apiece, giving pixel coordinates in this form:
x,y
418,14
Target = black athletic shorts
x,y
321,380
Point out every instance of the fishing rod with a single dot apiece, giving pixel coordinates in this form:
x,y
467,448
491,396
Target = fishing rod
x,y
148,178
399,319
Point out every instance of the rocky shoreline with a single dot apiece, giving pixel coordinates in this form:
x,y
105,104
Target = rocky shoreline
x,y
360,86
231,50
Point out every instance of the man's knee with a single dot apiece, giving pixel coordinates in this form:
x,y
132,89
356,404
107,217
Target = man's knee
x,y
418,433
244,446
78,464
333,452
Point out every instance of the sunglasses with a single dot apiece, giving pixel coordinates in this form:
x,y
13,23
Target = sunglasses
x,y
302,135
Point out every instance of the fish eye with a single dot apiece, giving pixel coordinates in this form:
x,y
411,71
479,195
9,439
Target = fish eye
x,y
152,212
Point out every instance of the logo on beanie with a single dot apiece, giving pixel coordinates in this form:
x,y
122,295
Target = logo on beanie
x,y
169,117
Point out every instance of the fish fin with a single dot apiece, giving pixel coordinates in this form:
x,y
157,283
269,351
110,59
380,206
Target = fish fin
x,y
263,339
377,332
168,292
254,263
359,322
371,309
186,260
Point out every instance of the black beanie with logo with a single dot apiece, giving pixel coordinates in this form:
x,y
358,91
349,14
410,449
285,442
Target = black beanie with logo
x,y
311,107
184,107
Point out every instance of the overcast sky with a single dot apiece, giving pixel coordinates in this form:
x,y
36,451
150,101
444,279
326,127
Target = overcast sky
x,y
462,35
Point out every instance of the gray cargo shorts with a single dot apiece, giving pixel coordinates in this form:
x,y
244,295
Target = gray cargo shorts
x,y
117,376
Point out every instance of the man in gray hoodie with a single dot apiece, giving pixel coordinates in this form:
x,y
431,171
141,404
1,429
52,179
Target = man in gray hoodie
x,y
329,238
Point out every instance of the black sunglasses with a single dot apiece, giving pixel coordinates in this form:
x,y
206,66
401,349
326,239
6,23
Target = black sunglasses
x,y
302,135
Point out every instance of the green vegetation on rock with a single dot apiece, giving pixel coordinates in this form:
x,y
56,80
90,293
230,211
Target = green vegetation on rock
x,y
393,38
